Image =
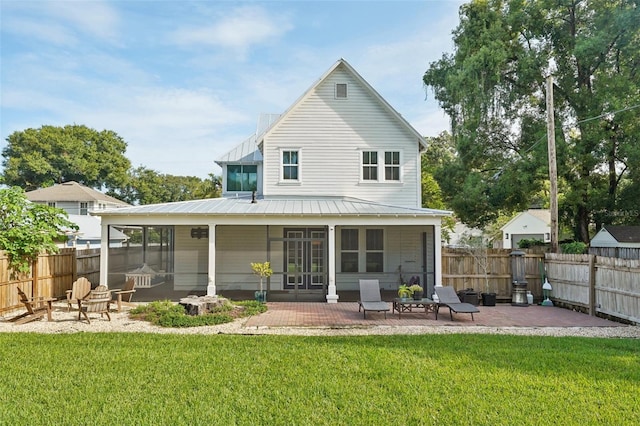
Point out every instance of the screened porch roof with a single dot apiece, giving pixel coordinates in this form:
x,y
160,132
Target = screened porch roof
x,y
268,206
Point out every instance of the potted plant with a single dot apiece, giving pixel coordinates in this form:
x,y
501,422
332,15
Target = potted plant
x,y
404,292
417,291
263,270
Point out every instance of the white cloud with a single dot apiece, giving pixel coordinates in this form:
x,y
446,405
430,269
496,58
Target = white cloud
x,y
97,18
241,29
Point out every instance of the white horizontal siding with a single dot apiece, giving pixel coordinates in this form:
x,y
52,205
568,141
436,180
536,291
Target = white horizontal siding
x,y
237,247
332,134
191,260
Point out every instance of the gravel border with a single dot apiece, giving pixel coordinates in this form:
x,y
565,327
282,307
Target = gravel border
x,y
66,322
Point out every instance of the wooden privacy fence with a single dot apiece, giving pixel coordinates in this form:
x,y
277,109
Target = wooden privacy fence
x,y
51,276
603,285
461,270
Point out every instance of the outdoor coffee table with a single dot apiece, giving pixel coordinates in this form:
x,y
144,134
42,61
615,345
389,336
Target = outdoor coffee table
x,y
407,305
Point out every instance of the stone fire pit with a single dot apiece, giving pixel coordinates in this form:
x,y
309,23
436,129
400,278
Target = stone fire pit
x,y
201,305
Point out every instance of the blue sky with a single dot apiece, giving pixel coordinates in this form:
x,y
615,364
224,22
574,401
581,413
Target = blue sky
x,y
184,82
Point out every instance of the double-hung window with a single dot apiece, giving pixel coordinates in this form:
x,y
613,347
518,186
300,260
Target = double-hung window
x,y
290,165
369,165
375,250
242,177
349,250
392,166
84,208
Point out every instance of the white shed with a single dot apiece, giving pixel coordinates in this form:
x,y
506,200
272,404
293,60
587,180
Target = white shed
x,y
530,224
617,236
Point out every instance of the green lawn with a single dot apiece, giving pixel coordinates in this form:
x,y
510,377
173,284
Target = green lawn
x,y
136,379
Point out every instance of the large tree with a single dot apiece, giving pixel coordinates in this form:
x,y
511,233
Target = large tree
x,y
493,88
26,228
36,158
147,186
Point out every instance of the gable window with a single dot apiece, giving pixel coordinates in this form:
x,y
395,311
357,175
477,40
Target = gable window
x,y
290,165
392,165
349,250
375,250
84,208
242,177
369,165
341,90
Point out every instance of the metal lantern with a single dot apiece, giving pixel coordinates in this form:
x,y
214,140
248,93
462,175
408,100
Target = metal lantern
x,y
518,279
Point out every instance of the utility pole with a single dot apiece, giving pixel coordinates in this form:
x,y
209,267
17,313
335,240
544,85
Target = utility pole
x,y
553,170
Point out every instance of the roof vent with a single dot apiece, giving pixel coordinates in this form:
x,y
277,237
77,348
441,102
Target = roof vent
x,y
253,197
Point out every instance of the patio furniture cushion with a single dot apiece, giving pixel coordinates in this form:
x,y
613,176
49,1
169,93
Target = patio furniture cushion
x,y
447,297
370,299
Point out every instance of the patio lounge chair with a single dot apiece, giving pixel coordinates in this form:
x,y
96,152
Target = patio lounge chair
x,y
370,299
37,307
124,296
79,290
448,297
98,301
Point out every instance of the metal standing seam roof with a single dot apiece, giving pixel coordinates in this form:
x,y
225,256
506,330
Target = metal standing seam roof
x,y
243,206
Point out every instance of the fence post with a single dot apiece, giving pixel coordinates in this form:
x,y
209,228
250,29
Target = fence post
x,y
592,285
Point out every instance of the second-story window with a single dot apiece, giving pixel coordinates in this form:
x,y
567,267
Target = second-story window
x,y
290,165
392,165
84,208
369,165
242,177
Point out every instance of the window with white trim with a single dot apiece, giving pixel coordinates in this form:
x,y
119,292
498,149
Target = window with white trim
x,y
375,250
84,208
349,250
290,165
242,177
392,165
370,165
341,90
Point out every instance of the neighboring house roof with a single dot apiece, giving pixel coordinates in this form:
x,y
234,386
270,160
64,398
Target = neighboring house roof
x,y
70,191
365,85
318,206
623,234
90,228
539,214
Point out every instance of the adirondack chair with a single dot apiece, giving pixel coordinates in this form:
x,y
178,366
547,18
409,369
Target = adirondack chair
x,y
125,296
37,307
80,289
97,301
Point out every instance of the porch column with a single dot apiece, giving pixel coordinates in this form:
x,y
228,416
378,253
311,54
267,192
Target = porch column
x,y
104,254
437,245
211,270
332,296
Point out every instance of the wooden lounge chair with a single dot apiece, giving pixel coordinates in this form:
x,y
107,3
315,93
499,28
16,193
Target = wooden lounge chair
x,y
370,299
37,307
80,289
124,296
448,297
97,301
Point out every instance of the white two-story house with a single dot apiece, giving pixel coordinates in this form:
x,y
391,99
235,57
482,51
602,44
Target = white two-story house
x,y
328,192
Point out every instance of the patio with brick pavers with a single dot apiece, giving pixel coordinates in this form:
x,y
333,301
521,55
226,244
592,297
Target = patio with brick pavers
x,y
345,314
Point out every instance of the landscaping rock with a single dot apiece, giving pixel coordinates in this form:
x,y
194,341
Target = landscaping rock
x,y
201,305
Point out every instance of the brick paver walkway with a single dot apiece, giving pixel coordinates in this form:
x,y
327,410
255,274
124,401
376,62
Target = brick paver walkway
x,y
345,314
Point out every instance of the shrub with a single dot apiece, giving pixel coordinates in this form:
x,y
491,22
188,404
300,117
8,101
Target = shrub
x,y
168,314
576,247
531,242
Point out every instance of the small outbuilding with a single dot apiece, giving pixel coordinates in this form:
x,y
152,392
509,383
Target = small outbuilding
x,y
530,224
617,241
